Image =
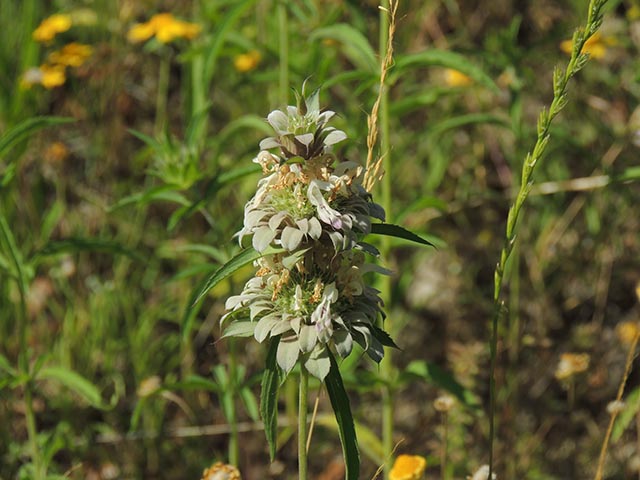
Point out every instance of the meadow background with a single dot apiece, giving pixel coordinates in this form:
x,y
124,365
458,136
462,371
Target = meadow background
x,y
112,218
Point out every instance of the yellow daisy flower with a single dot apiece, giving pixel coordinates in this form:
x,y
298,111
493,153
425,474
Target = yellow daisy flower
x,y
408,467
165,27
71,55
247,61
455,78
51,26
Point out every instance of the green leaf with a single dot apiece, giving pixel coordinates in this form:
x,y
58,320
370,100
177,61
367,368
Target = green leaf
x,y
398,232
74,382
26,128
74,245
8,244
5,366
631,408
165,193
271,380
442,58
346,429
353,43
237,262
250,403
437,376
196,382
383,337
468,119
193,305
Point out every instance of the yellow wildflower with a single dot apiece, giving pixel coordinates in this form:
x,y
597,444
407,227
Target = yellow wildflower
x,y
596,46
628,331
571,364
408,467
71,55
165,27
247,61
633,13
49,76
55,153
455,78
220,471
51,26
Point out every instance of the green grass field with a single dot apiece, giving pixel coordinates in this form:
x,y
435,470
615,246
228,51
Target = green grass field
x,y
127,134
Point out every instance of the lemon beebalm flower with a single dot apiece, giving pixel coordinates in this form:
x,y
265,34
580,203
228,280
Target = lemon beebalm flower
x,y
49,76
247,61
165,27
408,467
596,46
455,78
52,26
71,55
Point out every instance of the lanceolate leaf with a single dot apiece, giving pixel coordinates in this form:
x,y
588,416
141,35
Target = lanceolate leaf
x,y
354,45
269,397
398,232
443,58
383,337
346,428
237,262
631,408
75,382
25,129
437,376
73,245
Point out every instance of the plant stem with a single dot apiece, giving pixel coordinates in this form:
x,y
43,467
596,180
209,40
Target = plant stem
x,y
163,91
560,81
302,423
234,447
386,366
283,41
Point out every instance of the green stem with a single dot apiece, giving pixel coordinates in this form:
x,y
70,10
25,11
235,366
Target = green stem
x,y
283,41
386,366
560,82
234,446
302,423
163,91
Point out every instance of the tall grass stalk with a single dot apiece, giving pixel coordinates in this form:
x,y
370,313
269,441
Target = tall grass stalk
x,y
560,82
376,170
614,413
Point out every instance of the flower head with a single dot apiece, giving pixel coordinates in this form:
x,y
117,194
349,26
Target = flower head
x,y
408,467
571,364
51,26
246,62
455,78
311,296
165,27
49,76
221,471
71,55
301,130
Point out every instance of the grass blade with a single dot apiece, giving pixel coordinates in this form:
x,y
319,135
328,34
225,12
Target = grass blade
x,y
26,128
